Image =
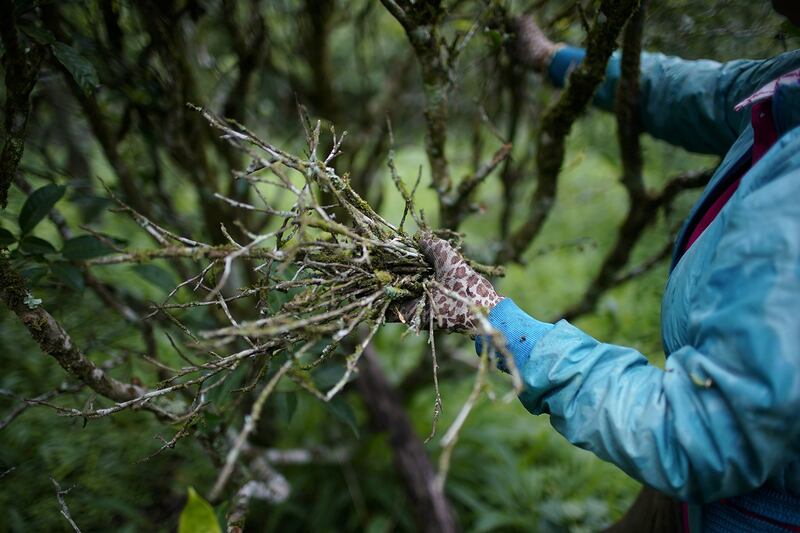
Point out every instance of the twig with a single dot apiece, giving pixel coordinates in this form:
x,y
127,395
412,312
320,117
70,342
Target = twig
x,y
250,423
25,403
437,402
451,436
62,504
352,359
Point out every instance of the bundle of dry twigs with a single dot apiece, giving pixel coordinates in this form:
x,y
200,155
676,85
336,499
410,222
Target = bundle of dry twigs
x,y
323,286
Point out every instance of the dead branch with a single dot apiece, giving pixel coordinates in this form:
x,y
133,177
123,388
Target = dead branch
x,y
62,504
250,423
41,399
437,60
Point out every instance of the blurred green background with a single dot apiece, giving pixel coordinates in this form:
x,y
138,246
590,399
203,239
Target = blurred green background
x,y
510,471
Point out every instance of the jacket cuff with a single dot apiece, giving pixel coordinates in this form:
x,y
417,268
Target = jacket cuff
x,y
563,62
521,331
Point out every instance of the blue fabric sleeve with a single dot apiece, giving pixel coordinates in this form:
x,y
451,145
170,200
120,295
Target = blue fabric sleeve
x,y
723,415
688,103
521,331
565,59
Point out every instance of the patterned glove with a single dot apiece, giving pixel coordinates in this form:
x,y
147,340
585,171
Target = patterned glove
x,y
532,48
453,272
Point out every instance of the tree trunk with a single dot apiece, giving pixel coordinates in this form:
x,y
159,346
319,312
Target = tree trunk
x,y
432,511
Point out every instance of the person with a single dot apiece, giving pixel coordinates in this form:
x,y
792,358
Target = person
x,y
718,428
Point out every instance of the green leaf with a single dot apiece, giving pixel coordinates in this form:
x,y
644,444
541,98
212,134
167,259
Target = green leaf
x,y
6,237
90,206
495,37
156,276
68,274
36,246
33,273
222,395
23,6
40,35
328,375
79,67
342,410
84,247
198,516
286,405
38,204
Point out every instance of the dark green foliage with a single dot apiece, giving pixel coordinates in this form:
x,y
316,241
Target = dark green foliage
x,y
69,274
6,237
78,66
107,83
35,246
84,247
38,205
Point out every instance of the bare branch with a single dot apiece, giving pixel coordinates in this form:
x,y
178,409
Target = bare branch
x,y
640,210
62,504
557,121
250,423
25,403
451,436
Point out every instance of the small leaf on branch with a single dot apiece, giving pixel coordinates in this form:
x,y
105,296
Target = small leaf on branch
x,y
84,247
342,410
33,273
38,205
36,246
286,405
6,237
40,35
81,70
68,274
156,276
198,516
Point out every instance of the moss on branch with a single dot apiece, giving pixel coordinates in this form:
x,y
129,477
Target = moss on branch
x,y
54,339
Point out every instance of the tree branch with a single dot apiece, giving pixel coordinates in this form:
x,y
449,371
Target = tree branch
x,y
458,206
62,504
100,127
421,23
433,513
54,340
21,67
557,121
640,204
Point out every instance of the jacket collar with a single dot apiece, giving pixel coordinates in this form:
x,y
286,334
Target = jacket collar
x,y
785,94
786,105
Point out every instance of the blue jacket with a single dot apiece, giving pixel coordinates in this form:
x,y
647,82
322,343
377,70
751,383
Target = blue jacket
x,y
723,418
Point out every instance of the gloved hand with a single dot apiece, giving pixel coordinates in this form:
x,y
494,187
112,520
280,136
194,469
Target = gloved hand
x,y
453,272
532,48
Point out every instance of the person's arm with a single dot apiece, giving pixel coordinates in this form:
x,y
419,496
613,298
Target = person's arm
x,y
724,413
686,103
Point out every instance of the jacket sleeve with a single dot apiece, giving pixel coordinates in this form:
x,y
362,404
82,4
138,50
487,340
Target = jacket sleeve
x,y
686,103
722,415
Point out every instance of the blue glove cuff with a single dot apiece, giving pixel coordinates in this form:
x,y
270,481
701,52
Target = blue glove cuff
x,y
563,62
521,331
